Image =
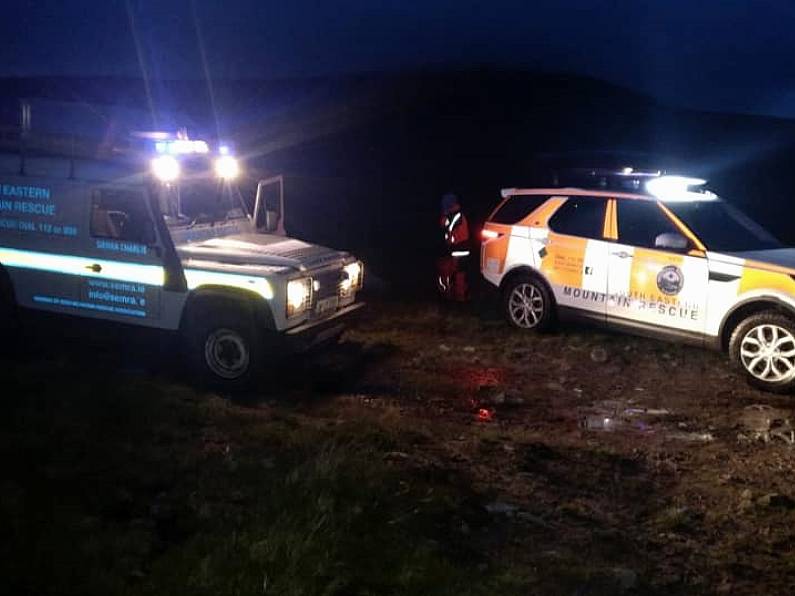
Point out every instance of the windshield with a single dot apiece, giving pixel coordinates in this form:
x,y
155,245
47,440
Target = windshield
x,y
723,228
201,201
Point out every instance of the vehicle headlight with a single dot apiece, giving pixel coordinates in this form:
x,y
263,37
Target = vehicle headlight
x,y
227,167
354,276
165,168
299,295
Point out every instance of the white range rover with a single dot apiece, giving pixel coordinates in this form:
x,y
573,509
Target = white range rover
x,y
171,244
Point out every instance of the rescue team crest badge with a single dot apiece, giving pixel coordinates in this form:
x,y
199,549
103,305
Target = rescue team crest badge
x,y
670,280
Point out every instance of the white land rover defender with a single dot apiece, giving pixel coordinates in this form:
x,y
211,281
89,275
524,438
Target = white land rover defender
x,y
160,236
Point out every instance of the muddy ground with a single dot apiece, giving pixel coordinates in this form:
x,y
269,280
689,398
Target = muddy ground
x,y
600,450
574,462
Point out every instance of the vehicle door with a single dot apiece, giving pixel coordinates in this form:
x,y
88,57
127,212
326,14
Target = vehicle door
x,y
124,275
509,240
40,229
269,206
574,260
658,272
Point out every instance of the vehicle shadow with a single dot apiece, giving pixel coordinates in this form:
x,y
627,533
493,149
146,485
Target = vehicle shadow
x,y
330,370
101,350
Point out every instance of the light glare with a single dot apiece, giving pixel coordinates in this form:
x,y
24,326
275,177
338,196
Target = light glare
x,y
226,167
165,168
299,294
353,277
677,188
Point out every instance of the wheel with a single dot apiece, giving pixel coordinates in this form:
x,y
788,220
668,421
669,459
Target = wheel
x,y
224,348
528,304
763,347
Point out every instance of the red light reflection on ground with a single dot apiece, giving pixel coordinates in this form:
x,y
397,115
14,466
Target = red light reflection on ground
x,y
485,415
474,377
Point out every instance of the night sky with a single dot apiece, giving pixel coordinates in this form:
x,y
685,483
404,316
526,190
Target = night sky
x,y
729,55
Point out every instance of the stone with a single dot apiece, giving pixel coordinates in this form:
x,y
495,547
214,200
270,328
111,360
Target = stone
x,y
746,498
599,355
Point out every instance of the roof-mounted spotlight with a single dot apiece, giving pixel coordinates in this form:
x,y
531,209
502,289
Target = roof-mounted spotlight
x,y
227,167
165,168
678,188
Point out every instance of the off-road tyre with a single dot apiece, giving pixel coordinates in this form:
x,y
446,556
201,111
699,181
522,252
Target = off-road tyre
x,y
224,348
527,303
762,347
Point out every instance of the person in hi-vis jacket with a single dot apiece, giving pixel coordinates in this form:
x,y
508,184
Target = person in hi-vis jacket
x,y
452,264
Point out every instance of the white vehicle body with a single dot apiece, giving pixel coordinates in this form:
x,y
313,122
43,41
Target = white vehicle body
x,y
65,247
612,264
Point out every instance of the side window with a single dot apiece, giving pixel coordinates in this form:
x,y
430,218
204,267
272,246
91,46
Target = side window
x,y
516,208
640,222
580,216
121,214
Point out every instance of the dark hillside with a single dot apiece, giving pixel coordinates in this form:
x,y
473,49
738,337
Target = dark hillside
x,y
367,157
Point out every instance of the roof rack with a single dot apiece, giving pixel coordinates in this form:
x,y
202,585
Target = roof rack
x,y
627,179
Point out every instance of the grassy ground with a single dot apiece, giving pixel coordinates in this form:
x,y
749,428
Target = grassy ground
x,y
434,452
117,485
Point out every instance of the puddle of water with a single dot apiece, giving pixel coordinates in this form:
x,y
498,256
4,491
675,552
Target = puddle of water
x,y
612,424
618,416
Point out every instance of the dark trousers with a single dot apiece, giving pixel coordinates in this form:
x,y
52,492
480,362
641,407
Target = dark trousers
x,y
452,278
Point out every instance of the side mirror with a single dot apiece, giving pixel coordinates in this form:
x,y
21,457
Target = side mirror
x,y
671,241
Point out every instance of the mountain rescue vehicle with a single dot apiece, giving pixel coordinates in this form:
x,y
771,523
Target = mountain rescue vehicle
x,y
159,235
667,259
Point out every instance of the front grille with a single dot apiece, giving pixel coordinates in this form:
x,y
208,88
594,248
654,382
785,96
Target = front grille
x,y
327,283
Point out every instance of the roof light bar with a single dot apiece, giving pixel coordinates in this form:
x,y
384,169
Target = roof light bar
x,y
678,188
181,147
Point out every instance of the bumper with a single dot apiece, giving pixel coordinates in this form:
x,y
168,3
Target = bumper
x,y
313,333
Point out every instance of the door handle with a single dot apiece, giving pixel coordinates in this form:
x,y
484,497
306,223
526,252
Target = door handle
x,y
96,267
621,254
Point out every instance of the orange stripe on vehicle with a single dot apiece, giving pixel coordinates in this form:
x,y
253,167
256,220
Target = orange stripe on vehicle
x,y
646,265
769,267
756,279
614,219
496,248
682,227
565,259
606,223
540,217
610,227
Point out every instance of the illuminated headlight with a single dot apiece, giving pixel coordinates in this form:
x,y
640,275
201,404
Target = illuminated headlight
x,y
226,167
299,296
165,168
353,278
